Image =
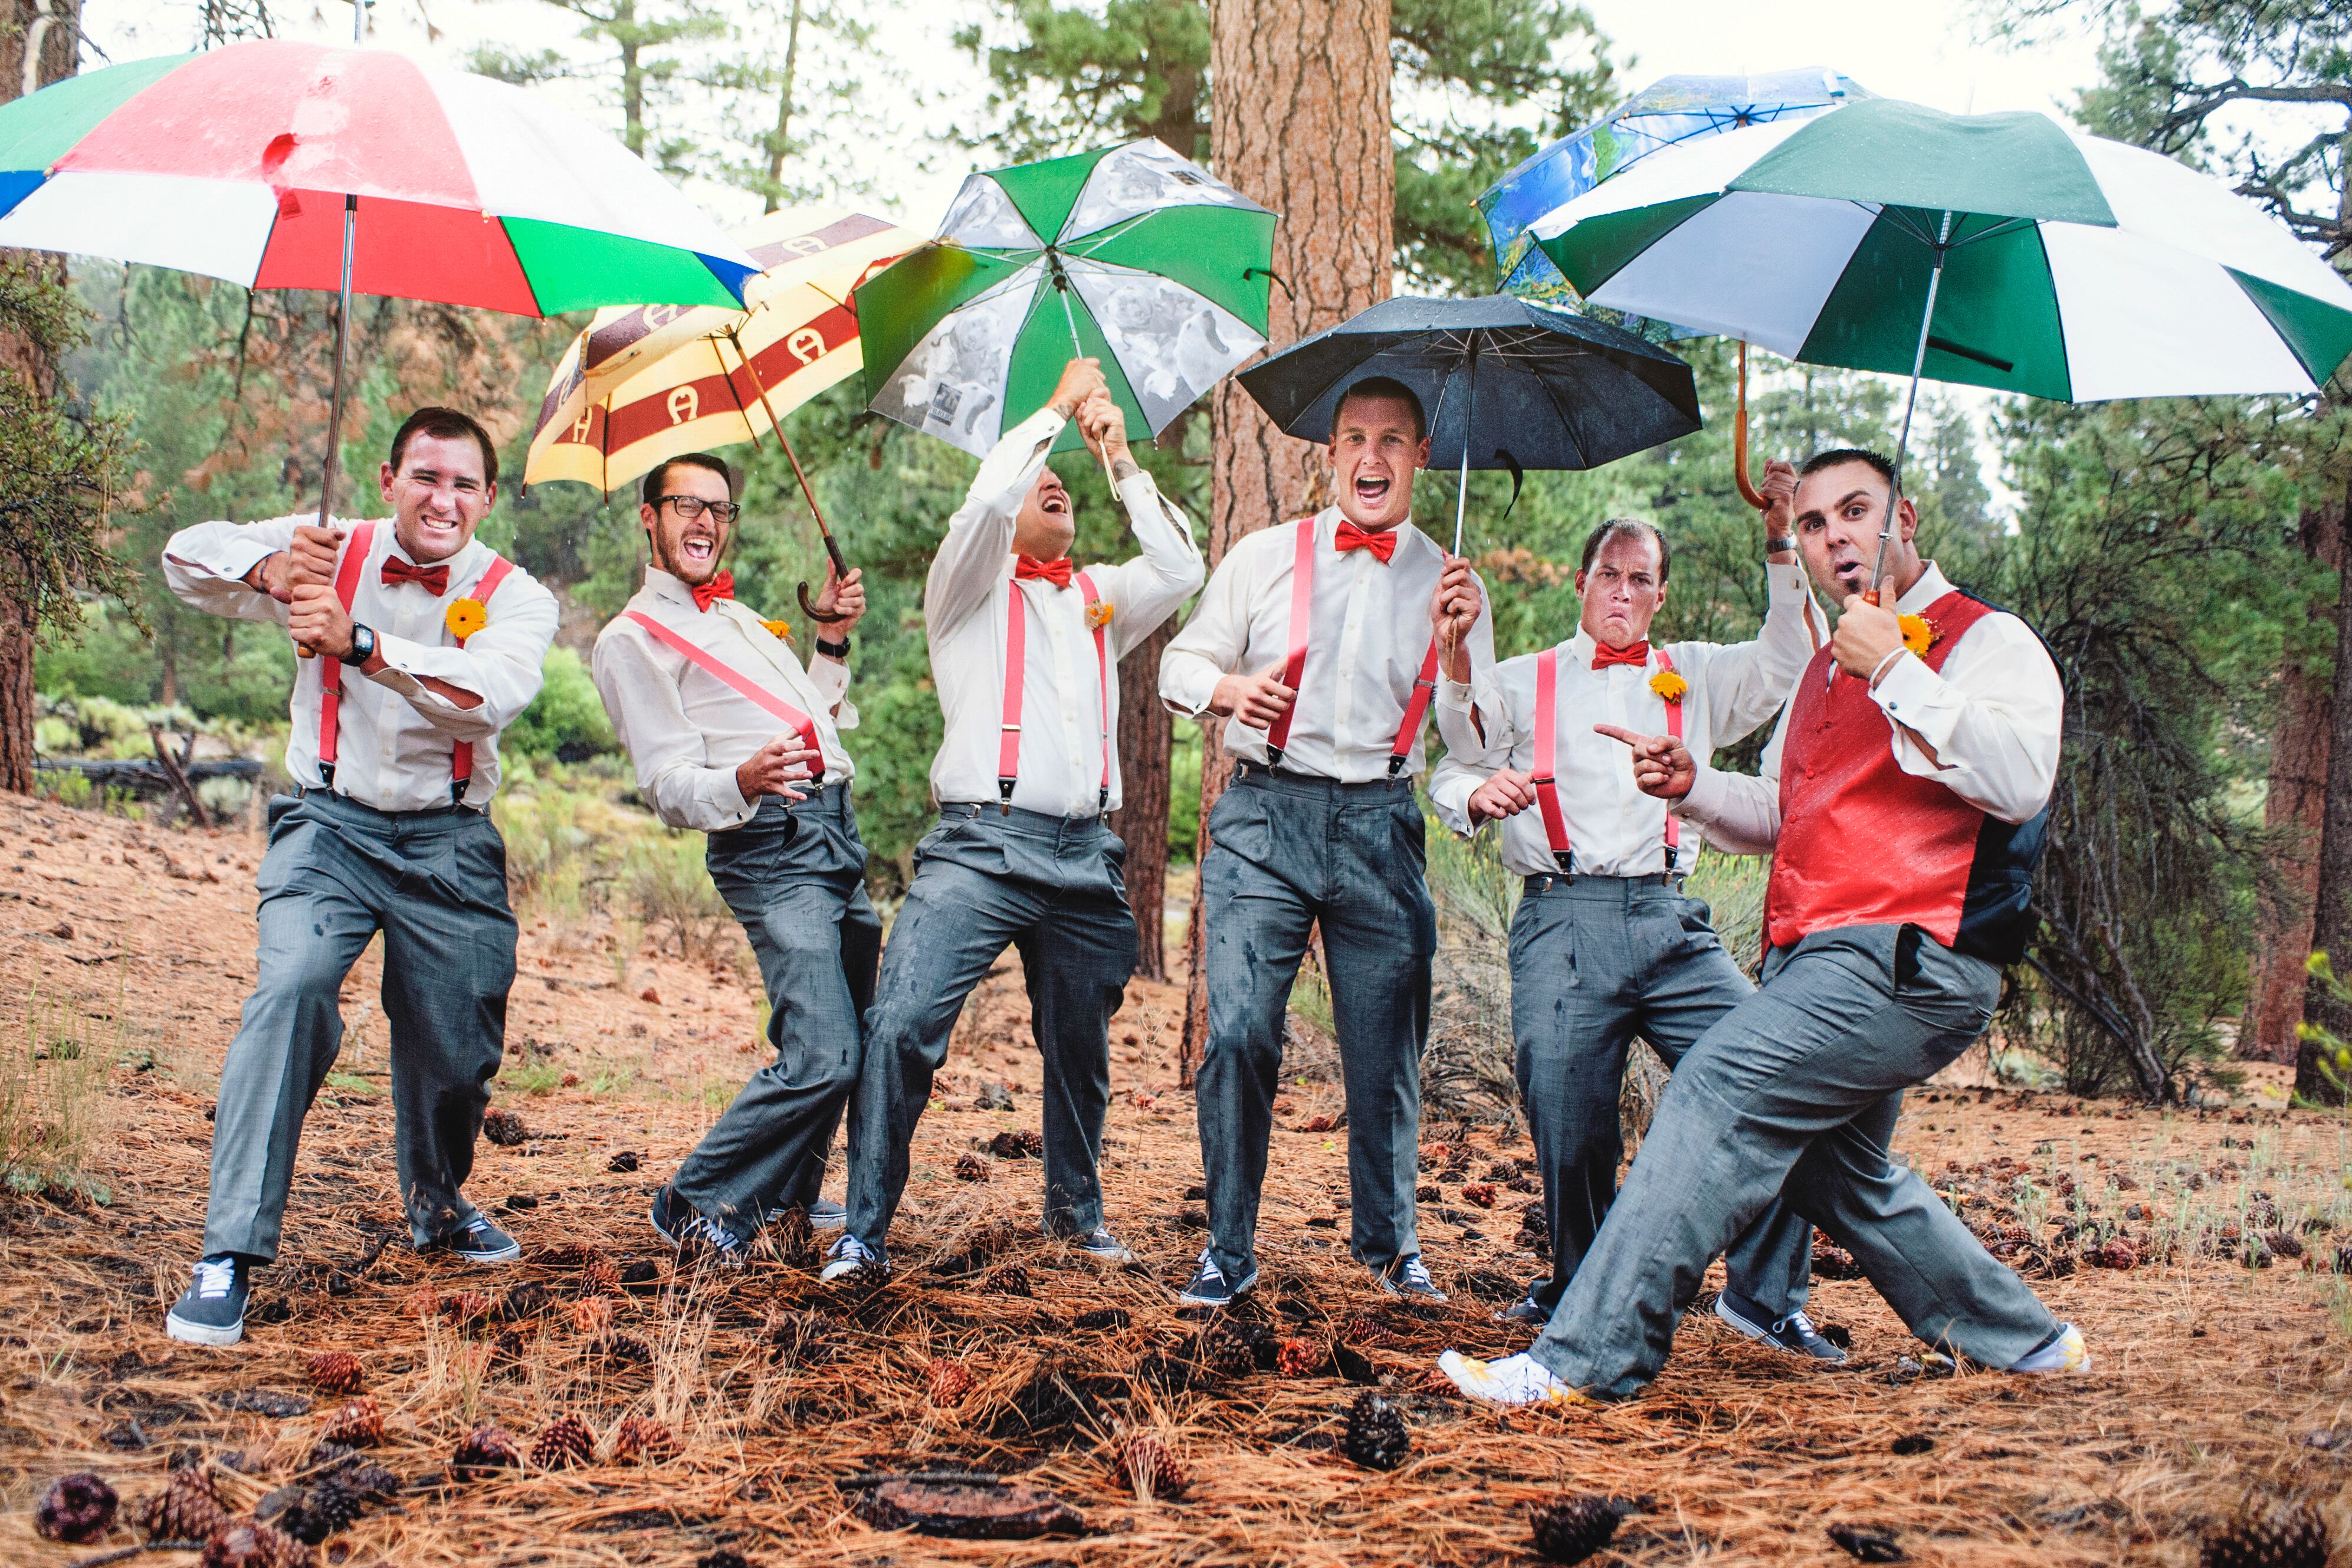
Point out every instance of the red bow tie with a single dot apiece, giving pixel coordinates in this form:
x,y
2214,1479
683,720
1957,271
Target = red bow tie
x,y
1057,572
719,587
434,580
1603,655
1383,544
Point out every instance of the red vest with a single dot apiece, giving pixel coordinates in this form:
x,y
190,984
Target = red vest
x,y
1864,843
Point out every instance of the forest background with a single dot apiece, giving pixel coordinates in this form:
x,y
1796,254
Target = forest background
x,y
2180,558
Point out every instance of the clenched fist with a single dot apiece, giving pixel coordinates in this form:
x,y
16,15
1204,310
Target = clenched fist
x,y
774,768
1507,793
1257,700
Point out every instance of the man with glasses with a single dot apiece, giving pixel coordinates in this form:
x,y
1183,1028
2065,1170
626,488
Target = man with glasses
x,y
732,736
427,645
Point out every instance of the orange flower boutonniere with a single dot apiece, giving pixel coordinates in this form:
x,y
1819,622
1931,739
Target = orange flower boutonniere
x,y
1920,633
780,630
1669,686
1099,613
466,618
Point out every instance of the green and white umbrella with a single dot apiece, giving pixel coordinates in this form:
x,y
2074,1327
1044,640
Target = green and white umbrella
x,y
1130,254
1999,250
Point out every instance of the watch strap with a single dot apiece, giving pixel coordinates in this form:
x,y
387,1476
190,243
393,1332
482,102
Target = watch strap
x,y
834,650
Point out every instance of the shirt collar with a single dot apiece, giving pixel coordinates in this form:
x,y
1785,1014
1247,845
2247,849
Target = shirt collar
x,y
666,588
1931,586
459,564
1328,520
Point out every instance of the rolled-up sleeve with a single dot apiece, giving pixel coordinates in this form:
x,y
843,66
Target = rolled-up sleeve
x,y
666,747
1213,643
1456,726
1166,572
204,566
502,664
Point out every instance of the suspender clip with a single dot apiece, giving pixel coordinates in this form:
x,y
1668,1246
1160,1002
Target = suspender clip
x,y
327,776
1005,795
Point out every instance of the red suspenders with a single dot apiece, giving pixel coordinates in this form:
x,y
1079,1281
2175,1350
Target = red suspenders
x,y
1016,640
1546,758
741,684
1302,607
330,676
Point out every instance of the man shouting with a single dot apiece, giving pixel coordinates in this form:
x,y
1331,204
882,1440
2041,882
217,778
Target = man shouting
x,y
1314,643
1024,651
731,735
428,645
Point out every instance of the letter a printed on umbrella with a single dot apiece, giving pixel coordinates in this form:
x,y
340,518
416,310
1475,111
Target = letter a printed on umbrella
x,y
1131,255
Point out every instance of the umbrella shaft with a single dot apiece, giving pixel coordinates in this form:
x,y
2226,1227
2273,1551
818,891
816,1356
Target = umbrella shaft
x,y
1910,406
335,400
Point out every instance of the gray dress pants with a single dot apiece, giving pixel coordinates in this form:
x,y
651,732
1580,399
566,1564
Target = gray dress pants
x,y
435,883
795,877
1052,888
1793,1094
1285,852
1596,961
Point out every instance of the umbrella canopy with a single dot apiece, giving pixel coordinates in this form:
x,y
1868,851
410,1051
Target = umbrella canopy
x,y
2060,265
1507,384
1666,113
237,163
643,383
1131,254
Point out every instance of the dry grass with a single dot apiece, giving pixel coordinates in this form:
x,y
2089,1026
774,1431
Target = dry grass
x,y
2214,1378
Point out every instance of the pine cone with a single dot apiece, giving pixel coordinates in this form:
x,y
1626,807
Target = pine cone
x,y
1377,1438
2117,1253
1479,1193
563,1442
1010,1279
593,1315
565,1255
359,1424
466,1308
325,1508
724,1557
1502,1171
335,1372
1366,1332
76,1508
484,1449
627,1349
504,1128
1573,1528
186,1509
1300,1358
599,1277
642,1440
2284,1243
527,1299
1221,1350
422,1302
1150,1469
951,1380
368,1481
2275,1535
972,1168
249,1543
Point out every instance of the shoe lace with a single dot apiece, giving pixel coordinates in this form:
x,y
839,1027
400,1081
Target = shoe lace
x,y
1209,1270
1416,1273
851,1248
215,1276
1799,1321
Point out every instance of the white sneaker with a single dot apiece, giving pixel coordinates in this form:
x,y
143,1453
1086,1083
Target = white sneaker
x,y
849,1255
1516,1380
2067,1353
1410,1279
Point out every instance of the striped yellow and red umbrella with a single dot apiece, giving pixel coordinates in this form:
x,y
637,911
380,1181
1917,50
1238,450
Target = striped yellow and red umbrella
x,y
648,382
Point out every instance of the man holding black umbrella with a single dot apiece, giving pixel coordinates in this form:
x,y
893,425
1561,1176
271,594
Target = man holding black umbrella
x,y
1313,641
1604,944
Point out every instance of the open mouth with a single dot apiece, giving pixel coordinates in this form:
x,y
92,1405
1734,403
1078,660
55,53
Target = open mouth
x,y
1852,575
697,547
1055,503
1372,489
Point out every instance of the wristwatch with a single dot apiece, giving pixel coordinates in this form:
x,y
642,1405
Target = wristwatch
x,y
1785,545
834,650
363,645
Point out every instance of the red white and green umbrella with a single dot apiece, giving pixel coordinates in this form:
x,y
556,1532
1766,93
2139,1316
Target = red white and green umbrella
x,y
1130,254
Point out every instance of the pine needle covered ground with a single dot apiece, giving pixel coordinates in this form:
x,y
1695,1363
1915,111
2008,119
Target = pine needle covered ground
x,y
124,954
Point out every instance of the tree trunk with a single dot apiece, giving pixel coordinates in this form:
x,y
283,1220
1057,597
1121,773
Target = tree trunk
x,y
40,43
1146,731
1298,121
2300,750
2331,927
784,110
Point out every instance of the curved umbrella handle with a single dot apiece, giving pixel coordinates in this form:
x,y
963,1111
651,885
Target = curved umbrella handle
x,y
1748,493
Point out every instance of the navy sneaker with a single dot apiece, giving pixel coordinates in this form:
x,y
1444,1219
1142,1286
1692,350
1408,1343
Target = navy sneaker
x,y
478,1241
684,1226
1101,1246
827,1215
1208,1287
1525,1310
212,1312
1410,1279
851,1257
1793,1333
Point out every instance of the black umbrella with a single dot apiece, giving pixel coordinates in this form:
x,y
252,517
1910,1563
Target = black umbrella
x,y
1509,385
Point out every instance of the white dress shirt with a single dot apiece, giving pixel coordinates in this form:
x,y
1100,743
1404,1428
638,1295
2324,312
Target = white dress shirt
x,y
686,730
1613,829
965,604
1371,633
394,733
1993,717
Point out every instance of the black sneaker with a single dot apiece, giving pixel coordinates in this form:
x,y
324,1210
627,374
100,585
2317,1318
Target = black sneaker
x,y
479,1242
683,1226
1525,1310
212,1312
1410,1279
1208,1287
1101,1246
827,1215
1794,1333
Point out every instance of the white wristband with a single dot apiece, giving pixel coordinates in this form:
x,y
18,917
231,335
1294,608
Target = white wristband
x,y
1881,669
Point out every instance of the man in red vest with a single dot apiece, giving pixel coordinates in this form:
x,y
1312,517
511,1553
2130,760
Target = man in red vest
x,y
732,736
1903,798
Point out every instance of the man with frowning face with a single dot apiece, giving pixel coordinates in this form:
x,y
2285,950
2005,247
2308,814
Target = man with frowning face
x,y
428,645
1314,643
1604,944
731,735
1024,651
1903,798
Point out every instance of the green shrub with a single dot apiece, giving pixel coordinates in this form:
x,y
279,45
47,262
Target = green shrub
x,y
567,718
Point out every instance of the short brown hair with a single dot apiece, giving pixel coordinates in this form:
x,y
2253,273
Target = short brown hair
x,y
446,424
1616,525
1388,387
658,475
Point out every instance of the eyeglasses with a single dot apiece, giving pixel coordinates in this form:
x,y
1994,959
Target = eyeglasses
x,y
692,507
